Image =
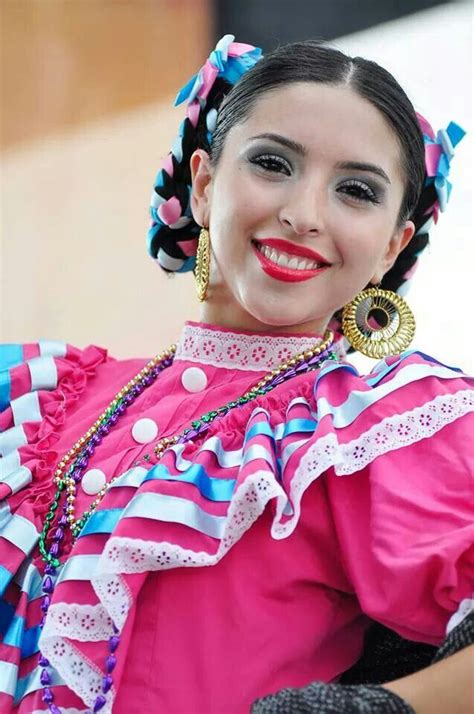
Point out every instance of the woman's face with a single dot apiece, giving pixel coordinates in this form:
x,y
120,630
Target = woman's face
x,y
302,209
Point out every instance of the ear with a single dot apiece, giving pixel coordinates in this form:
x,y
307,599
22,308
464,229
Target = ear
x,y
201,176
397,243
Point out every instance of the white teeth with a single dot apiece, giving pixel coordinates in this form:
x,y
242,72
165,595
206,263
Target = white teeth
x,y
286,260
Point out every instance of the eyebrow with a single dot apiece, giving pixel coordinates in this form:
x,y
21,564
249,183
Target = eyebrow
x,y
302,151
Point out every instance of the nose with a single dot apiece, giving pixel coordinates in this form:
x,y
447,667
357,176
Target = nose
x,y
303,210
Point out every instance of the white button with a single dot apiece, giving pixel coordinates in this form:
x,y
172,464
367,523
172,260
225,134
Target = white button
x,y
194,379
92,481
144,431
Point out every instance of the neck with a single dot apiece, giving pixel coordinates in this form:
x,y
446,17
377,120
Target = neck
x,y
234,317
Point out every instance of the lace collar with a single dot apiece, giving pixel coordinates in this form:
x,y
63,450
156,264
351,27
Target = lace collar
x,y
250,351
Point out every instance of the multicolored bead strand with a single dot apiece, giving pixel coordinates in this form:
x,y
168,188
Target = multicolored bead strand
x,y
68,477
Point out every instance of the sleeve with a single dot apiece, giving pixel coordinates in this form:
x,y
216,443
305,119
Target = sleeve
x,y
38,384
395,450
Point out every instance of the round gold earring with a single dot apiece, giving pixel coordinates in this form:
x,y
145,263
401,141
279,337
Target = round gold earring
x,y
378,323
203,257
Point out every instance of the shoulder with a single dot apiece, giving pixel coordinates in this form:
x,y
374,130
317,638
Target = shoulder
x,y
396,385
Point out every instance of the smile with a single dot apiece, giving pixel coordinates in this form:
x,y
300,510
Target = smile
x,y
284,266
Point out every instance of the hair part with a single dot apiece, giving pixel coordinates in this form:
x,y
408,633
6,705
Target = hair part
x,y
311,61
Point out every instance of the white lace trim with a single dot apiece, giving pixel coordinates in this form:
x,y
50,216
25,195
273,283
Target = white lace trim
x,y
466,607
86,623
253,352
391,433
77,671
130,555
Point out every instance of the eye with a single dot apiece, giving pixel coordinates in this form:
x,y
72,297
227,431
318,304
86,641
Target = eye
x,y
272,163
360,191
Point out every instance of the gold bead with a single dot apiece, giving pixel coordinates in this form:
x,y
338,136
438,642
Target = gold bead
x,y
71,519
69,509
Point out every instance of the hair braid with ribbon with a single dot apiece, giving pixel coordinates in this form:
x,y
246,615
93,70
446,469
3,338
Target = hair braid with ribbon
x,y
223,93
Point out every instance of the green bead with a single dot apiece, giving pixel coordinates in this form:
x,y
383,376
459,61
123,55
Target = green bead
x,y
196,424
206,418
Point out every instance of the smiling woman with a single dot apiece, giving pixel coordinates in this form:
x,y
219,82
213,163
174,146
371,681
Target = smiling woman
x,y
300,191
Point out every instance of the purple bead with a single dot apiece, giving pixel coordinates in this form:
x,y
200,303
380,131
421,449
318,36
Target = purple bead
x,y
167,362
50,570
48,696
63,521
54,550
155,372
48,585
107,682
58,534
43,662
43,621
54,709
113,419
95,439
90,448
202,428
104,429
114,642
81,463
121,408
45,678
99,703
46,603
190,435
110,663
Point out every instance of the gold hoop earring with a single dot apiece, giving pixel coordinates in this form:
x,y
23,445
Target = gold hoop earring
x,y
378,323
202,269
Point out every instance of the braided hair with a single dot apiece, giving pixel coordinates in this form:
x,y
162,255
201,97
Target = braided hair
x,y
227,99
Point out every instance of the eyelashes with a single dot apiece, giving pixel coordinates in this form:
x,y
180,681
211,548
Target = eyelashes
x,y
360,191
277,165
272,163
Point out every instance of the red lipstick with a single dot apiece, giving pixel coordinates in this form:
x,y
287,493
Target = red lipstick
x,y
292,249
280,272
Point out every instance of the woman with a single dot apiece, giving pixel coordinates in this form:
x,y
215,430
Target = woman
x,y
122,480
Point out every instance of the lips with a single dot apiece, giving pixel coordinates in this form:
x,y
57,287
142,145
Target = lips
x,y
284,261
282,245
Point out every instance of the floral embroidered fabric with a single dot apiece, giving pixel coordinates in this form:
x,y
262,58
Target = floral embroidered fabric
x,y
333,500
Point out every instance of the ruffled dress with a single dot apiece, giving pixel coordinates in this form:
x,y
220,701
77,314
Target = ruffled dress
x,y
251,560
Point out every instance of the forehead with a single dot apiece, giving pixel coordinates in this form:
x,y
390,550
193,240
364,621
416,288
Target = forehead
x,y
331,121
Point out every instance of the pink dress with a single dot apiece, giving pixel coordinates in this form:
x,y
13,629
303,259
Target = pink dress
x,y
251,560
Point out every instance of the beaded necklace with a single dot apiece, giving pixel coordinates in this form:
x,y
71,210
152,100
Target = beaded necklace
x,y
70,469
